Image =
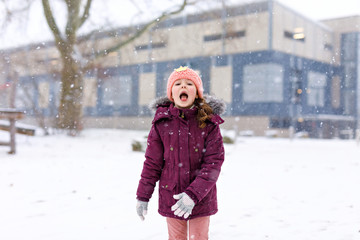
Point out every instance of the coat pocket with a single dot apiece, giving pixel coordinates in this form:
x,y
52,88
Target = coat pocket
x,y
166,192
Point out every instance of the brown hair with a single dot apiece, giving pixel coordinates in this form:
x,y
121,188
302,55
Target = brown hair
x,y
204,111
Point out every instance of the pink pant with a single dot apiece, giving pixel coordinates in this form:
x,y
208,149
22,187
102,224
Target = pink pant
x,y
198,228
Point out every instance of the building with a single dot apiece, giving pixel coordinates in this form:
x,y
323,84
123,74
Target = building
x,y
274,68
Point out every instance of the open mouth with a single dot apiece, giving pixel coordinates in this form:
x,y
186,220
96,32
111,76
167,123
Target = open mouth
x,y
183,97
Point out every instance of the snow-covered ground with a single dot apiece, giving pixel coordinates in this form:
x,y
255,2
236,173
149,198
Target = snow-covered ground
x,y
63,188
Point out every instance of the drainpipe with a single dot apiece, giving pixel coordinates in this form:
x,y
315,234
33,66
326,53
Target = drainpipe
x,y
270,25
223,23
357,72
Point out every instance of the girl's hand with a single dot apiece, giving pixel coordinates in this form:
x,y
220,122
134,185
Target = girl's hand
x,y
141,209
183,206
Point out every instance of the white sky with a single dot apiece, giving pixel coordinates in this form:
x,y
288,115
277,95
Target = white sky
x,y
34,28
323,9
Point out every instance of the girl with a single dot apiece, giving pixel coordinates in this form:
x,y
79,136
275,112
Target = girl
x,y
185,152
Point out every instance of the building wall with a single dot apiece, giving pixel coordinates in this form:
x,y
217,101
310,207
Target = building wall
x,y
317,42
221,82
342,26
189,40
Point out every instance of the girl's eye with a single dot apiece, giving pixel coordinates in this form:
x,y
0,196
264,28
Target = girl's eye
x,y
177,84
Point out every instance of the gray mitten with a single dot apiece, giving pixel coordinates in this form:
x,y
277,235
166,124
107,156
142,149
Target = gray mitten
x,y
141,209
183,206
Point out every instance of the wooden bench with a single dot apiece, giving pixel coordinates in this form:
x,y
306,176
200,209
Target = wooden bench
x,y
12,115
19,129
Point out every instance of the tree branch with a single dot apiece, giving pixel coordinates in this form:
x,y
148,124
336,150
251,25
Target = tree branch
x,y
52,23
73,9
86,13
163,16
10,12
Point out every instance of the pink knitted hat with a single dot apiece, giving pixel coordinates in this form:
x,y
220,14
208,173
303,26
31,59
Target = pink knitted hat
x,y
184,73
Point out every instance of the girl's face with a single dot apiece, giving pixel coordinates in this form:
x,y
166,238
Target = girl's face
x,y
184,93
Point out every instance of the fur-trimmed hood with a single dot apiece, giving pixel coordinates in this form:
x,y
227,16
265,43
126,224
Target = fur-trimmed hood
x,y
218,106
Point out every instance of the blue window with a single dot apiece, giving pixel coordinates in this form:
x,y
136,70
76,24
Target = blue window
x,y
263,83
316,89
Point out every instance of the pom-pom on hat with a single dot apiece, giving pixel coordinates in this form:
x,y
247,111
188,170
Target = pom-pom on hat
x,y
184,73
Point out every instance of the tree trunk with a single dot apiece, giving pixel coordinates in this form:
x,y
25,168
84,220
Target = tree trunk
x,y
71,101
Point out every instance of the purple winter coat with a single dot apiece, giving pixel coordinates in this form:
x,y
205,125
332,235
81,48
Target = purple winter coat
x,y
184,157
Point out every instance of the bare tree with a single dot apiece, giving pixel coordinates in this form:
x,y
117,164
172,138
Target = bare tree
x,y
28,100
11,8
70,109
